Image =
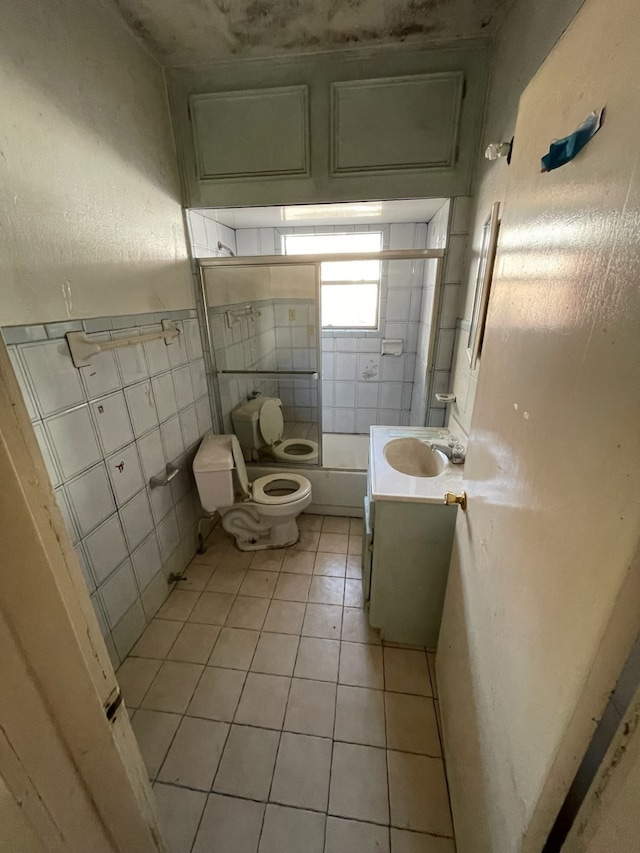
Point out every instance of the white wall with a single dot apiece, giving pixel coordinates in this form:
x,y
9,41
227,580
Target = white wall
x,y
90,217
526,36
16,836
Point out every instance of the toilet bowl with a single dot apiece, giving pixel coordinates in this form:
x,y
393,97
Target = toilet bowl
x,y
259,515
259,424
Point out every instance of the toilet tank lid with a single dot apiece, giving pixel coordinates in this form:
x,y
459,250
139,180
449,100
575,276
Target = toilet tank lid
x,y
214,454
249,410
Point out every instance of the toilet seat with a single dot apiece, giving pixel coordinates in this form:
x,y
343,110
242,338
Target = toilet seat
x,y
260,496
287,450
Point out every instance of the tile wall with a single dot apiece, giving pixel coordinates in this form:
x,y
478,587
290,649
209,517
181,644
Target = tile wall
x,y
104,431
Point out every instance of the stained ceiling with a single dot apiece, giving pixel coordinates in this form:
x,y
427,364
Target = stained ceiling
x,y
190,32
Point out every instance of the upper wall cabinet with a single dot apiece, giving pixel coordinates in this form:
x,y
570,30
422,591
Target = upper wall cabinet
x,y
333,127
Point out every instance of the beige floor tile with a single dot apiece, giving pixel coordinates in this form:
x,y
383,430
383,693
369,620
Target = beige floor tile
x,y
403,841
196,577
275,654
322,620
354,836
411,724
247,613
179,605
355,526
217,695
180,811
335,524
317,659
301,776
360,716
324,590
359,783
406,671
173,687
289,830
194,643
356,628
331,565
355,545
259,584
292,587
226,580
134,676
418,793
311,707
284,617
211,556
154,731
431,660
194,755
232,558
229,825
354,567
235,648
308,541
353,593
299,562
361,665
310,522
212,608
335,543
247,763
269,560
263,701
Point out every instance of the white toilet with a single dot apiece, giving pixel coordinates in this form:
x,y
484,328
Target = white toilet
x,y
261,514
259,423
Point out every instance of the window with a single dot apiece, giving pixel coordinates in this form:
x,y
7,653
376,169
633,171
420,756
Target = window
x,y
350,290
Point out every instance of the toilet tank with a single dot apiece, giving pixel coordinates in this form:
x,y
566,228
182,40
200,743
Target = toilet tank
x,y
213,471
246,422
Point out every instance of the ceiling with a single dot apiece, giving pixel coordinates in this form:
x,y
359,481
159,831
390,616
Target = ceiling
x,y
190,32
343,213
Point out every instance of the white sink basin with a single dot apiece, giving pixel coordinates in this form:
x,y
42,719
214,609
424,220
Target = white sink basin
x,y
414,458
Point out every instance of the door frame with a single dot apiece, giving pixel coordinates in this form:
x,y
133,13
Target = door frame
x,y
79,779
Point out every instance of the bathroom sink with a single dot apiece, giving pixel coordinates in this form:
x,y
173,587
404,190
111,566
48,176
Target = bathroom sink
x,y
415,458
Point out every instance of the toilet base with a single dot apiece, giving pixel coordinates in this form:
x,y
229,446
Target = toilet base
x,y
252,535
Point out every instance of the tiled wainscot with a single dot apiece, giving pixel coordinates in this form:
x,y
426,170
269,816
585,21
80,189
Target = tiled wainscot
x,y
104,431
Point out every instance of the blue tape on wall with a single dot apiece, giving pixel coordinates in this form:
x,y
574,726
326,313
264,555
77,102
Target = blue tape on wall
x,y
564,150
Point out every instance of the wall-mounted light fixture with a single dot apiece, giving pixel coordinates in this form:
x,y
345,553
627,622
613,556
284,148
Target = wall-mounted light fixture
x,y
497,150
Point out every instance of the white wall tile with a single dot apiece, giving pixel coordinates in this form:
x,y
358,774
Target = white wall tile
x,y
100,614
155,351
142,407
119,593
398,304
327,420
131,359
328,371
90,498
183,387
164,396
203,411
345,366
344,420
161,501
55,381
192,338
147,561
73,441
345,395
111,418
390,395
154,596
402,235
388,417
172,438
186,515
84,566
189,425
151,451
65,510
177,348
198,379
366,418
444,349
247,241
106,548
136,518
125,473
168,534
129,628
267,241
101,376
367,395
47,454
197,229
23,382
392,368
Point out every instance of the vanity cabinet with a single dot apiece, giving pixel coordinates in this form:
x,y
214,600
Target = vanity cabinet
x,y
406,553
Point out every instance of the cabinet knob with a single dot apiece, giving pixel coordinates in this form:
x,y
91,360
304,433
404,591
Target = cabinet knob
x,y
451,498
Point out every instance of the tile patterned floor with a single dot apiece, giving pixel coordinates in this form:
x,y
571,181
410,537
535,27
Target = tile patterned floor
x,y
273,720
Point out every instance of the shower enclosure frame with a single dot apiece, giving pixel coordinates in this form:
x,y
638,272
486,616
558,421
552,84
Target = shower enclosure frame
x,y
203,264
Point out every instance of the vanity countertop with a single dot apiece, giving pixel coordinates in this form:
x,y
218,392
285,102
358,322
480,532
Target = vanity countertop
x,y
387,484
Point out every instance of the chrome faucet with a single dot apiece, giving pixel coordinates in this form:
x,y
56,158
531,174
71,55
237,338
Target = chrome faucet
x,y
454,450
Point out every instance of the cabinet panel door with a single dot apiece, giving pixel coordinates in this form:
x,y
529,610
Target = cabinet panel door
x,y
396,123
251,133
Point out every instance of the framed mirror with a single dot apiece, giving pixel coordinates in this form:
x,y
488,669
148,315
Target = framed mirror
x,y
483,283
